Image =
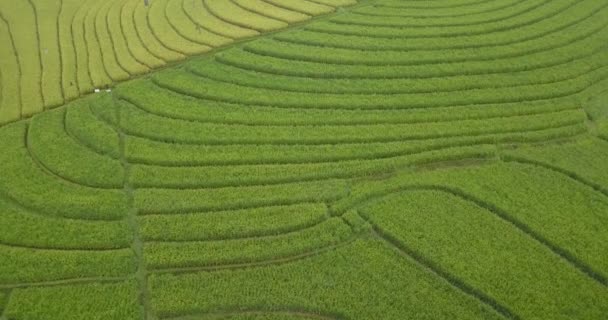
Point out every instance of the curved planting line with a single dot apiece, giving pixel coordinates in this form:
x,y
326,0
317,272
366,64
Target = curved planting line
x,y
124,37
49,171
179,33
561,171
37,27
219,17
86,60
354,140
490,20
464,23
366,13
483,85
499,56
153,33
500,214
64,282
390,120
189,15
286,8
16,56
526,37
276,261
60,51
580,37
78,140
295,313
104,11
112,41
433,7
393,105
259,13
272,233
58,249
287,59
94,31
114,36
74,50
483,139
439,272
139,37
501,27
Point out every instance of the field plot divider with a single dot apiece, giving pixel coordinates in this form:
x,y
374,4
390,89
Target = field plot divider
x,y
44,106
141,273
6,302
501,214
430,267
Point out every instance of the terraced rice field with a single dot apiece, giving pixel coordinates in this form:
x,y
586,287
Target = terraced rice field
x,y
310,159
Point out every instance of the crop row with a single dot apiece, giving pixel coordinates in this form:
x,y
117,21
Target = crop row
x,y
535,13
45,232
224,225
150,152
26,182
280,64
479,8
150,98
188,254
398,53
172,130
513,40
60,50
333,283
219,72
114,301
488,254
22,265
529,196
59,153
578,159
224,92
24,51
173,201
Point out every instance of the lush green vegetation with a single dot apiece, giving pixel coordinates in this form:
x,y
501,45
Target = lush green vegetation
x,y
55,51
376,159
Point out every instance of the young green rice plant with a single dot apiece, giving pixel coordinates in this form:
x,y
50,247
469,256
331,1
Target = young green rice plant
x,y
24,180
166,201
234,224
21,265
530,197
51,233
489,254
330,283
95,301
194,254
50,144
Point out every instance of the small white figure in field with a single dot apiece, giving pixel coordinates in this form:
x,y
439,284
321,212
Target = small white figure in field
x,y
97,90
108,90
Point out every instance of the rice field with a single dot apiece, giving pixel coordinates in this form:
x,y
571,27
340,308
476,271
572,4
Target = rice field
x,y
310,159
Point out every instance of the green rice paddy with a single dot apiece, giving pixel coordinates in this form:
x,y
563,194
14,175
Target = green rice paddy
x,y
310,159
